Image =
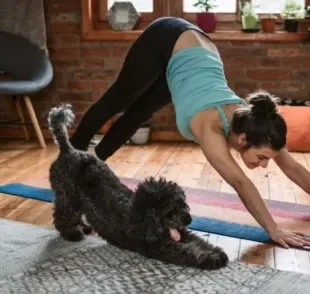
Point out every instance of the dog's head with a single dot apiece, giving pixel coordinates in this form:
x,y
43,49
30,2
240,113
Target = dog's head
x,y
158,206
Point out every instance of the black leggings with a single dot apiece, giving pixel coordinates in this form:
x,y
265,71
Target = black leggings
x,y
139,91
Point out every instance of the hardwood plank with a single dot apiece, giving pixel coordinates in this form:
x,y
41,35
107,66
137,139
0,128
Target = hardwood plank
x,y
280,188
301,196
154,165
256,253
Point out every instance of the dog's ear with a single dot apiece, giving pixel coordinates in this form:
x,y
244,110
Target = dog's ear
x,y
145,225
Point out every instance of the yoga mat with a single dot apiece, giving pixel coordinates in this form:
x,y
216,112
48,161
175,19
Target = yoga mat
x,y
213,212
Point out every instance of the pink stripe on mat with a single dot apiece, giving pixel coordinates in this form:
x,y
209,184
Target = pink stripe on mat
x,y
226,200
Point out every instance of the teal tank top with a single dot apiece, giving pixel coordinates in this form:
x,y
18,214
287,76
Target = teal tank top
x,y
196,80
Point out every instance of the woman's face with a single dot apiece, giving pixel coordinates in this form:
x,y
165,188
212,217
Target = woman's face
x,y
257,157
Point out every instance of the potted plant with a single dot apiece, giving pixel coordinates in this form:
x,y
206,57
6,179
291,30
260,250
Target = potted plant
x,y
268,23
249,17
292,13
206,20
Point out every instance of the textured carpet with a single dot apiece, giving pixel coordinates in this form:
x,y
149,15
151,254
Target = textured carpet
x,y
35,260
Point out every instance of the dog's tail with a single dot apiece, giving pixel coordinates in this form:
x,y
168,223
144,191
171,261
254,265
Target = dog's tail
x,y
60,119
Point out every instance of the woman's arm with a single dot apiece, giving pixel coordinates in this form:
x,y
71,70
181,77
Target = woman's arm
x,y
295,171
214,147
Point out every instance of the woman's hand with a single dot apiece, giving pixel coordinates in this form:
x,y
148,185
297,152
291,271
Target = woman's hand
x,y
286,238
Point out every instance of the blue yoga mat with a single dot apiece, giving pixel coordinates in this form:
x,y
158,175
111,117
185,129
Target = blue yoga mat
x,y
201,224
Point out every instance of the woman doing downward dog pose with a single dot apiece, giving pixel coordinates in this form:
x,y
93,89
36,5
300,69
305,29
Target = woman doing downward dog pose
x,y
174,61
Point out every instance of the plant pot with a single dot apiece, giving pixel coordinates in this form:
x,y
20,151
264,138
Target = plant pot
x,y
249,22
291,25
206,21
268,24
141,136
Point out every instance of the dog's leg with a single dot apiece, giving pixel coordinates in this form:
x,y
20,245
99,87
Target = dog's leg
x,y
67,217
192,251
87,229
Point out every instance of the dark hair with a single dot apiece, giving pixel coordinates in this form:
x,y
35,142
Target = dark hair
x,y
261,122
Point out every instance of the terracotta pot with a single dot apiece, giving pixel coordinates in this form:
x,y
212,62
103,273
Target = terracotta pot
x,y
206,21
268,24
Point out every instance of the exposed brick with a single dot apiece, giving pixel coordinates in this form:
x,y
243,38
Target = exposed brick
x,y
62,6
301,74
288,52
87,74
93,62
120,51
80,85
269,62
68,96
248,52
103,52
266,74
66,63
268,85
297,62
64,41
293,86
64,53
250,86
240,62
64,28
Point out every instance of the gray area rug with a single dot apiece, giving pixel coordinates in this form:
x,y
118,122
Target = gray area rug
x,y
36,260
25,18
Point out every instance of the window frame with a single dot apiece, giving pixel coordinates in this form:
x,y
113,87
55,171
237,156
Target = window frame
x,y
95,26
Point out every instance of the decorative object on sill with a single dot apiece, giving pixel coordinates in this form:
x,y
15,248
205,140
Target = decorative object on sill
x,y
142,135
206,20
294,102
291,14
249,17
268,23
123,16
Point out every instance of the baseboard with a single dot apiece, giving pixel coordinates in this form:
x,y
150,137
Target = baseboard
x,y
156,135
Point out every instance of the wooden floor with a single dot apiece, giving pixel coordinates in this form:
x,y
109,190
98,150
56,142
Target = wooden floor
x,y
182,162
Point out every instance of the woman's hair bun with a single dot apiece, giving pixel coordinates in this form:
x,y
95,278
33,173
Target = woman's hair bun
x,y
262,103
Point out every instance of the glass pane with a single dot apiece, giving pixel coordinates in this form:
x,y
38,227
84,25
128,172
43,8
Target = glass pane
x,y
271,6
224,6
140,5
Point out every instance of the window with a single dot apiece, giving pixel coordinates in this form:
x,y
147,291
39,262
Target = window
x,y
272,6
222,6
140,5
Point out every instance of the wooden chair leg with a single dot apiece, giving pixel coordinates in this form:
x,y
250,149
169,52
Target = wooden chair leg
x,y
21,116
34,121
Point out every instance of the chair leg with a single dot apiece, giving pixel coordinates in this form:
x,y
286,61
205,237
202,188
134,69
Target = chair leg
x,y
34,121
21,116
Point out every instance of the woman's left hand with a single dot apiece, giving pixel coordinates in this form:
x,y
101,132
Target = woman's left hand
x,y
287,238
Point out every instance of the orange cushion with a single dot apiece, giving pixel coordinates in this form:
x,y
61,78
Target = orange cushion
x,y
298,123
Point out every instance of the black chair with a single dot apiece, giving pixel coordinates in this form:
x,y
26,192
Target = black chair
x,y
31,70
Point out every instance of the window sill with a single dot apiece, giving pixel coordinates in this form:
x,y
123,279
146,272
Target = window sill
x,y
279,36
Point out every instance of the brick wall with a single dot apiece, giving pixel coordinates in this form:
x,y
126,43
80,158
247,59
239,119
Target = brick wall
x,y
84,69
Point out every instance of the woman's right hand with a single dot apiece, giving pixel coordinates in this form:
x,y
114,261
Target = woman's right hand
x,y
287,238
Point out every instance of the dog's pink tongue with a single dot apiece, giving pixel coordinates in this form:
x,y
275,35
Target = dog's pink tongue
x,y
175,235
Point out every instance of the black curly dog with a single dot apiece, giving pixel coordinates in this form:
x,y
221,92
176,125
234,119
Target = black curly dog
x,y
139,220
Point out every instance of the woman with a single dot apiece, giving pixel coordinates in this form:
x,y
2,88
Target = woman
x,y
174,61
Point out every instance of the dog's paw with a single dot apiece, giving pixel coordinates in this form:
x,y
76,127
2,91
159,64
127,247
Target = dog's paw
x,y
87,230
214,259
73,235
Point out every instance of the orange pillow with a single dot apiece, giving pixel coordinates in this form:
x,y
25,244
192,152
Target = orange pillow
x,y
298,123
